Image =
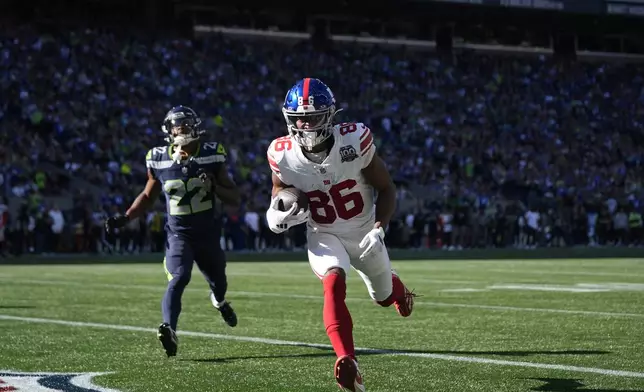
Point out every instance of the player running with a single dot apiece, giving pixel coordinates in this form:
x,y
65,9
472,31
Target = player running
x,y
338,169
191,173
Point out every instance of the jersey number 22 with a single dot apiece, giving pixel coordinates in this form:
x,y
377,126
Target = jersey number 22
x,y
187,197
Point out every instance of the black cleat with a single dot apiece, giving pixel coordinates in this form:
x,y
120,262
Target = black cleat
x,y
168,339
227,312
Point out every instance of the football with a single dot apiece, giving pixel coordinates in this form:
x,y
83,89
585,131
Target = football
x,y
289,196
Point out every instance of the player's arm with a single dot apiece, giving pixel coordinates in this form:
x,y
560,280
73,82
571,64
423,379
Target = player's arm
x,y
146,199
276,174
377,175
280,221
226,188
278,185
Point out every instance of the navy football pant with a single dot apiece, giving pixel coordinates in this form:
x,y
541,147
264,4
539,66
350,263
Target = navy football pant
x,y
180,253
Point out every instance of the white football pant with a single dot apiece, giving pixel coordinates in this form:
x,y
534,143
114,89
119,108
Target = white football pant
x,y
328,251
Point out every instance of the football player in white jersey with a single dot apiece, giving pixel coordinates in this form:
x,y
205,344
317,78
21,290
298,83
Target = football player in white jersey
x,y
338,168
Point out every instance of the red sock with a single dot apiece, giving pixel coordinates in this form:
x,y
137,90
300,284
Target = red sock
x,y
337,320
397,292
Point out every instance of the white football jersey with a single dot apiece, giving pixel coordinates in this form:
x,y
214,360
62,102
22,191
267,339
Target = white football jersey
x,y
340,200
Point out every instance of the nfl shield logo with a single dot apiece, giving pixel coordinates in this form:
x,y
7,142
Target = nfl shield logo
x,y
50,382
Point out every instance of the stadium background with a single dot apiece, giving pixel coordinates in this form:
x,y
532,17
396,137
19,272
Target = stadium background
x,y
489,114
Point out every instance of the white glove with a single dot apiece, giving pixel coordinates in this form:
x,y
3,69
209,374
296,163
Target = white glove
x,y
373,243
280,221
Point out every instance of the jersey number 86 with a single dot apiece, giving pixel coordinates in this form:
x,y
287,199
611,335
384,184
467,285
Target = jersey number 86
x,y
345,206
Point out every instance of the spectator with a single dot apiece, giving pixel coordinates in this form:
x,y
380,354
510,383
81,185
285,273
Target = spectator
x,y
57,225
458,135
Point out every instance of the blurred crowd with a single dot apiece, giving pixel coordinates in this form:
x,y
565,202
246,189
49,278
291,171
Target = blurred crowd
x,y
477,143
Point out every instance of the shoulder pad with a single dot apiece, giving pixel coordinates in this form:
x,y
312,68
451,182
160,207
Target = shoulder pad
x,y
157,158
214,148
211,152
156,153
276,150
357,135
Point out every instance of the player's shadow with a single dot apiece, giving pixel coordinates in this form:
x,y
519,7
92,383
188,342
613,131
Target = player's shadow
x,y
571,385
16,307
328,352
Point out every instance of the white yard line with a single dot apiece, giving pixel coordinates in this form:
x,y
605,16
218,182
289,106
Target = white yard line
x,y
569,273
319,298
545,287
453,358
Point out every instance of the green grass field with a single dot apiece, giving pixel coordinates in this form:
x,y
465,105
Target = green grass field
x,y
497,326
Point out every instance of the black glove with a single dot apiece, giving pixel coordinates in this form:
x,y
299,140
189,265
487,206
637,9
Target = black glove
x,y
207,178
115,222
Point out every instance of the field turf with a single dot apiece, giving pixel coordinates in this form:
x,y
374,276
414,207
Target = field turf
x,y
485,326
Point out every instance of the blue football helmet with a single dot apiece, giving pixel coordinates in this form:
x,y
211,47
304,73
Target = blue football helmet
x,y
312,103
182,125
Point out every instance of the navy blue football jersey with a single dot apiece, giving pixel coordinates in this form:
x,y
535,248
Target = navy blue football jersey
x,y
190,206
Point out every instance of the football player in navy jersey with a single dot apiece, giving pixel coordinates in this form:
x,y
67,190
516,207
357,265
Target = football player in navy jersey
x,y
191,173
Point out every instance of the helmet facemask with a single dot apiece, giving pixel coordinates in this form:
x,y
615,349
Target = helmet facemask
x,y
317,126
182,131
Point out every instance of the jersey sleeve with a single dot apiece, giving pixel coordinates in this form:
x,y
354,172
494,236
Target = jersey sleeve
x,y
211,156
362,141
150,163
221,153
274,157
213,152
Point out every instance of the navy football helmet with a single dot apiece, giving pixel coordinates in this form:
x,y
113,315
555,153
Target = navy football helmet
x,y
309,108
182,125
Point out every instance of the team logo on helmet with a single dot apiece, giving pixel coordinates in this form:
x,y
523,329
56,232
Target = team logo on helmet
x,y
50,382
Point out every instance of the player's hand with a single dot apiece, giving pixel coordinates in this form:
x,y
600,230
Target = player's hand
x,y
373,243
280,221
208,179
115,222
